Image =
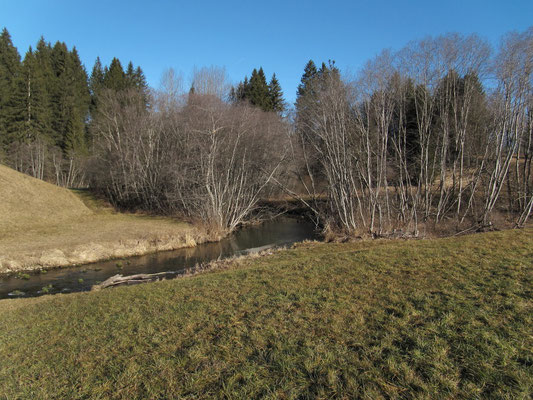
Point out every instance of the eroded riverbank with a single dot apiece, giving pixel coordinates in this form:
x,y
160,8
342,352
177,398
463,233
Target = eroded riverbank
x,y
92,239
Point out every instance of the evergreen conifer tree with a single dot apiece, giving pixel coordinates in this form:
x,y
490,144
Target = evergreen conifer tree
x,y
59,93
276,95
30,116
305,92
75,134
114,76
10,67
310,72
70,99
238,94
258,92
412,137
47,79
48,97
140,80
268,97
252,88
233,94
140,84
130,75
96,81
244,90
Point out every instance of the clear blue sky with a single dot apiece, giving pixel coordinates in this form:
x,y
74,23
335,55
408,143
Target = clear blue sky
x,y
280,36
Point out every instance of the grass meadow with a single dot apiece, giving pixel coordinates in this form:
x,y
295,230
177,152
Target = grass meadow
x,y
429,319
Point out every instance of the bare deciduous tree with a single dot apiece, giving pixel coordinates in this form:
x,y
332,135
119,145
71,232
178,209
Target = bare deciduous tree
x,y
212,81
512,126
415,135
230,154
196,154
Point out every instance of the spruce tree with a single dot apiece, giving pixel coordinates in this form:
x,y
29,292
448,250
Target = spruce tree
x,y
75,135
323,69
478,114
310,72
305,92
140,84
130,75
268,97
276,95
135,79
238,94
264,93
312,83
412,136
47,77
114,76
96,81
258,93
9,61
70,99
140,80
252,88
233,94
59,93
30,115
243,90
10,67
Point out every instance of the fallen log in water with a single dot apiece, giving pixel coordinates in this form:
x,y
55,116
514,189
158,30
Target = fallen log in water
x,y
118,279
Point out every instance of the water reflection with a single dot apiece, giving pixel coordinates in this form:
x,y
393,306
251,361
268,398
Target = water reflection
x,y
279,232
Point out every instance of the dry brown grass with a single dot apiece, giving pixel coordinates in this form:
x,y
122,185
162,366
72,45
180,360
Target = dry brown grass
x,y
28,201
42,225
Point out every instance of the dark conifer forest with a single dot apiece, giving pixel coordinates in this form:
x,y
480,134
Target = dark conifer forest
x,y
46,103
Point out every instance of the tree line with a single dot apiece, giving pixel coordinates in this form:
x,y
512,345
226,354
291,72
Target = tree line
x,y
193,153
256,91
434,137
46,101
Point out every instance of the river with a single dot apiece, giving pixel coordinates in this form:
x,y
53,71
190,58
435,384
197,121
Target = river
x,y
281,231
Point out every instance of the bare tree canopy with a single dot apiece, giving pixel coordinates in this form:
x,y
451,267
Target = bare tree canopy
x,y
418,138
197,155
212,81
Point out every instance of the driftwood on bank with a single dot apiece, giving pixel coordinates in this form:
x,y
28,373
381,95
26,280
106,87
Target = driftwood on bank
x,y
214,265
118,279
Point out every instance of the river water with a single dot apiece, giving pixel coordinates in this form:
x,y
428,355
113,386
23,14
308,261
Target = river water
x,y
278,232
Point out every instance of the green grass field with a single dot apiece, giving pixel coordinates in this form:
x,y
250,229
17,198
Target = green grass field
x,y
430,319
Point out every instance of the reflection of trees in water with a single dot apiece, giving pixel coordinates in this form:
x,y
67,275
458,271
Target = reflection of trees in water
x,y
282,230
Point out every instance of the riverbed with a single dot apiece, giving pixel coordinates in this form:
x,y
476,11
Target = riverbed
x,y
275,233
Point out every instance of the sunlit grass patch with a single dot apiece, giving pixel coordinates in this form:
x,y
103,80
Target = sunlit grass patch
x,y
447,318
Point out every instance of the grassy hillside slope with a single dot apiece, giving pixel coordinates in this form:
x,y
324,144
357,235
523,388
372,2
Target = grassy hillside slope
x,y
43,226
28,201
430,319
